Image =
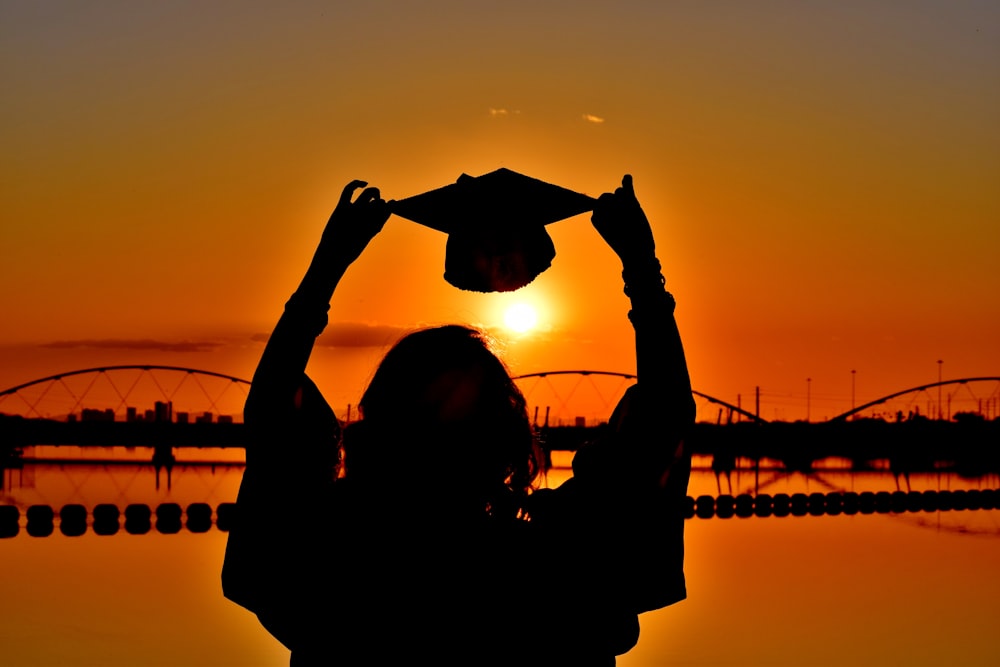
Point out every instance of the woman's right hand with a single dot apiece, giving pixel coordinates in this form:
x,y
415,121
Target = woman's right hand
x,y
353,224
621,222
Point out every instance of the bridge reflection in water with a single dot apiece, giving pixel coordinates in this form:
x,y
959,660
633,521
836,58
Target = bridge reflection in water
x,y
108,497
779,563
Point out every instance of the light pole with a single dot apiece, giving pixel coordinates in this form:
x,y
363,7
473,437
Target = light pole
x,y
853,373
940,414
808,396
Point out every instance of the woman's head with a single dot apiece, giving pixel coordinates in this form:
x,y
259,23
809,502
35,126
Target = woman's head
x,y
441,403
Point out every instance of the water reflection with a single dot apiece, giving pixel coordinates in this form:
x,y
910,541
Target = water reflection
x,y
129,494
778,589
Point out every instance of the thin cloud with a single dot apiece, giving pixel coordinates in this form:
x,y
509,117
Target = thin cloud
x,y
358,334
352,334
591,118
131,344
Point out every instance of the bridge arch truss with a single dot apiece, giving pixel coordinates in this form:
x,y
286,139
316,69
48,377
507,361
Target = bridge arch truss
x,y
943,404
117,388
608,397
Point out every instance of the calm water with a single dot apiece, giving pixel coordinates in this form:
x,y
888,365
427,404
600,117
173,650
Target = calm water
x,y
910,588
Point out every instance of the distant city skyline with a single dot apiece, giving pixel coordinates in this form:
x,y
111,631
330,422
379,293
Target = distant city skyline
x,y
571,396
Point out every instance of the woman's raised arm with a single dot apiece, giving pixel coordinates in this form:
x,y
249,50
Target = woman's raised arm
x,y
279,373
641,465
275,556
664,405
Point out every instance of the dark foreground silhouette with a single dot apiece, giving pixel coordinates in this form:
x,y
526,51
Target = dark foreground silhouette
x,y
415,535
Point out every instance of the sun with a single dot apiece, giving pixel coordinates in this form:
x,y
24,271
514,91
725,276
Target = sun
x,y
520,317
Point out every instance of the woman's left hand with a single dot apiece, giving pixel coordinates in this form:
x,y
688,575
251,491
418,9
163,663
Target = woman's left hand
x,y
353,224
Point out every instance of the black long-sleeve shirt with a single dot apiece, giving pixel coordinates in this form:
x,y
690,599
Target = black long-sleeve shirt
x,y
341,578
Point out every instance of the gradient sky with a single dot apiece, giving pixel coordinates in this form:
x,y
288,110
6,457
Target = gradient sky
x,y
823,181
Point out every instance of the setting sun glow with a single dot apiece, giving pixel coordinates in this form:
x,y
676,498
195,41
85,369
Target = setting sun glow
x,y
520,318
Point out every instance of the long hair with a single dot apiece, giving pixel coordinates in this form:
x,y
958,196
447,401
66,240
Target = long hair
x,y
442,411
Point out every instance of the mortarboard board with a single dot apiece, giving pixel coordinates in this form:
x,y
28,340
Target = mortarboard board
x,y
496,226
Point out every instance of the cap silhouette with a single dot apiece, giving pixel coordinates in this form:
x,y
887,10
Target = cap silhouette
x,y
496,226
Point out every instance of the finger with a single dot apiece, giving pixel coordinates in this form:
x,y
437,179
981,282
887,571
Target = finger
x,y
369,195
627,183
345,196
601,206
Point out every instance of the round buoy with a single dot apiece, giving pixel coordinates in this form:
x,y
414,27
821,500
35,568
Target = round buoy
x,y
744,505
883,502
40,520
834,503
224,515
10,521
763,505
898,502
73,520
725,506
137,519
851,503
704,507
928,501
816,503
800,504
168,518
199,517
914,501
782,504
973,501
866,502
944,501
106,519
958,500
988,499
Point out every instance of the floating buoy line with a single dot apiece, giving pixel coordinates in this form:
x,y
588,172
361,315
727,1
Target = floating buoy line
x,y
73,520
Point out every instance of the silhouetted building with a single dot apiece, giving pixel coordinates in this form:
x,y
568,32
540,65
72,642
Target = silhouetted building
x,y
164,411
94,415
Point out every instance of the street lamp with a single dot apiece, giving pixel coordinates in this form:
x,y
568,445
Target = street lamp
x,y
808,396
853,373
940,413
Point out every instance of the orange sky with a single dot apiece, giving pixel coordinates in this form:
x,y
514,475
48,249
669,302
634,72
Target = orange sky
x,y
823,182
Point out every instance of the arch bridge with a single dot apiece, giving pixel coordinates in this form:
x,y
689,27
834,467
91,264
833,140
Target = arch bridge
x,y
118,387
611,398
960,394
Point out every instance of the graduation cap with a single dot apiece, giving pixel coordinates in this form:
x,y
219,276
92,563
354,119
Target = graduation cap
x,y
495,225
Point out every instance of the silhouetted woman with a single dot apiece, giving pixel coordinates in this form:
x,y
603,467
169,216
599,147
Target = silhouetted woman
x,y
415,535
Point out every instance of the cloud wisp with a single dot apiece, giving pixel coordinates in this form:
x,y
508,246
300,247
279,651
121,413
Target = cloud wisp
x,y
354,335
131,344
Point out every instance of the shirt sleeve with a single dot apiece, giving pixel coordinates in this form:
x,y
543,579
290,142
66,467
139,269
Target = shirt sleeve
x,y
624,505
275,559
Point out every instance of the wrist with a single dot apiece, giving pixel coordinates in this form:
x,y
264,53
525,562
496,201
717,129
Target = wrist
x,y
642,276
309,309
